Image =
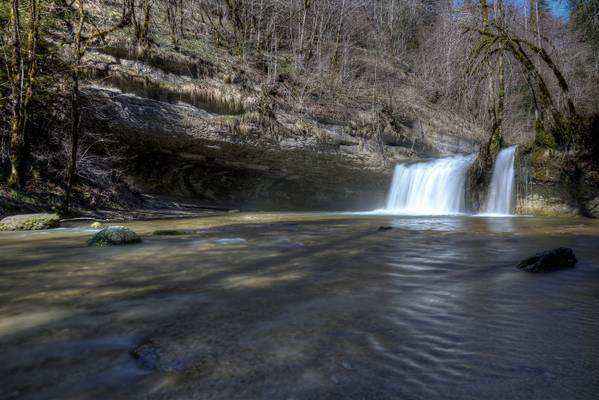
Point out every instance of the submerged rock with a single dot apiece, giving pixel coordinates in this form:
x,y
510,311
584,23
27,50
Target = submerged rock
x,y
27,222
171,232
114,235
385,228
154,356
286,244
169,356
550,260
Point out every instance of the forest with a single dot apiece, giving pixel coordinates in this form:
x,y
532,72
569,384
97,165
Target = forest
x,y
516,71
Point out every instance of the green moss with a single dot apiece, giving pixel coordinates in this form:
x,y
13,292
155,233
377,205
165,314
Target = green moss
x,y
545,139
29,222
97,225
114,235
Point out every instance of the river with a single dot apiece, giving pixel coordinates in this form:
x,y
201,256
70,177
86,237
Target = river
x,y
302,306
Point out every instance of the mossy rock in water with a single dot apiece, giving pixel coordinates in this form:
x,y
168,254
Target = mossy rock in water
x,y
28,222
113,236
97,225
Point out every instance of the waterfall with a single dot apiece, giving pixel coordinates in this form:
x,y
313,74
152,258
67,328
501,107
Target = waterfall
x,y
500,197
429,188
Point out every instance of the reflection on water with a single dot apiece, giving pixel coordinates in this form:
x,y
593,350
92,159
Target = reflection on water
x,y
441,224
500,225
302,306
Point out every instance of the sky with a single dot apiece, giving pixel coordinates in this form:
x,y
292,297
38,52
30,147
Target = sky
x,y
559,8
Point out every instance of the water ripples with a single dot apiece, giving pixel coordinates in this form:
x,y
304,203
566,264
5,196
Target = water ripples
x,y
459,322
431,309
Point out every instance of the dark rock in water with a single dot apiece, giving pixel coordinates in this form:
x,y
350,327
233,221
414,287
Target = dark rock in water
x,y
168,356
27,222
549,260
114,235
385,228
151,355
171,232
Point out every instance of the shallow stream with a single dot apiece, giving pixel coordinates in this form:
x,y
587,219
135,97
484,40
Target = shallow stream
x,y
302,306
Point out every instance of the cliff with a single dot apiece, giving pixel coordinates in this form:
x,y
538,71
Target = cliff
x,y
555,183
226,135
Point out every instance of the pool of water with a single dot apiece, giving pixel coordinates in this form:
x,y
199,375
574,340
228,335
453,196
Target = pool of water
x,y
302,306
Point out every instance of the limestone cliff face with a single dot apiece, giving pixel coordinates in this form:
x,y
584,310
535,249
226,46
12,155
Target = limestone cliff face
x,y
218,136
222,136
556,184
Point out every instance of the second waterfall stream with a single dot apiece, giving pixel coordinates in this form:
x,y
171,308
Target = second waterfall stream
x,y
438,187
500,196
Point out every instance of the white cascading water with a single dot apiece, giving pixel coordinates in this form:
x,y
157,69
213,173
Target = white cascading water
x,y
430,188
500,196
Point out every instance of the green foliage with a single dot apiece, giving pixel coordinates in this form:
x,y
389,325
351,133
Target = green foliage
x,y
578,133
543,138
4,13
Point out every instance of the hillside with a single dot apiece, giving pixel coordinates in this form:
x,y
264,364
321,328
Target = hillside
x,y
202,101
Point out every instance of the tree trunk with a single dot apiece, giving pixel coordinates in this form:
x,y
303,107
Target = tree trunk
x,y
500,14
144,29
75,111
171,15
22,74
16,79
32,39
484,13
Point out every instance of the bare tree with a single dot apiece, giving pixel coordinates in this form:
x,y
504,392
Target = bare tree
x,y
79,47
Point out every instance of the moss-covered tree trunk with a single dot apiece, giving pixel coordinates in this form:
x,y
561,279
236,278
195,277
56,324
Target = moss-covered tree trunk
x,y
478,175
142,29
22,75
16,78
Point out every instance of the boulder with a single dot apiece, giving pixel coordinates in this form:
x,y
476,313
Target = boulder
x,y
28,222
550,260
114,235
